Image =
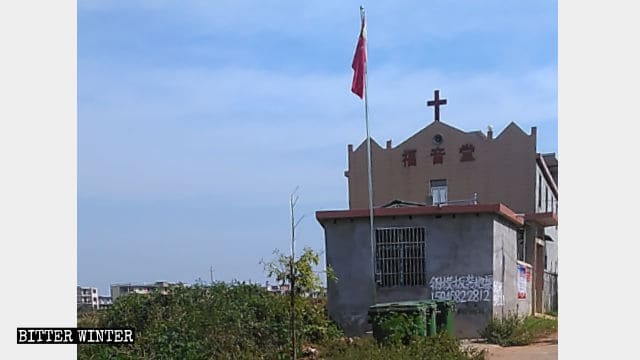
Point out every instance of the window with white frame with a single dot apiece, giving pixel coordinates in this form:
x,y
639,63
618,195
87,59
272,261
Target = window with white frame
x,y
400,256
439,191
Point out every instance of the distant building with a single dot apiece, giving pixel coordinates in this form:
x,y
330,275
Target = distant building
x,y
87,298
321,293
104,302
118,290
284,289
280,289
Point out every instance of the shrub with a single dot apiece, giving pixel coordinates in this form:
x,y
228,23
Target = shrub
x,y
440,347
220,321
539,326
89,319
513,330
399,327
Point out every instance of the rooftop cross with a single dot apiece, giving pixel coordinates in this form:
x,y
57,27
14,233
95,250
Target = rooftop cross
x,y
436,102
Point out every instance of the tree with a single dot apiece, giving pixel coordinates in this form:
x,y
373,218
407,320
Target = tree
x,y
301,278
306,279
298,273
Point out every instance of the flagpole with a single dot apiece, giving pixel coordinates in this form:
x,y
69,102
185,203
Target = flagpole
x,y
370,181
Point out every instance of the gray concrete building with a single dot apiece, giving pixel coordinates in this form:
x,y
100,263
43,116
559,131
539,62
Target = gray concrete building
x,y
467,253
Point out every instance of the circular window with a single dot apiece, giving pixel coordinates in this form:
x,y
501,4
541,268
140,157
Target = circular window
x,y
437,139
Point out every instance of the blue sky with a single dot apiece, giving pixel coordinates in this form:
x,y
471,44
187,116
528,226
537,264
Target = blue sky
x,y
196,119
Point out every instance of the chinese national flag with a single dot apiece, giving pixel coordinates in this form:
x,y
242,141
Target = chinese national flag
x,y
359,63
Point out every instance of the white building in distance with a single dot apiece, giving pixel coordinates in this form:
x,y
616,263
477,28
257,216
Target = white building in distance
x,y
118,290
87,297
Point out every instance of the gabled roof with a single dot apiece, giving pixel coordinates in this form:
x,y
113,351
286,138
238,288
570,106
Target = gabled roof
x,y
443,124
364,143
512,127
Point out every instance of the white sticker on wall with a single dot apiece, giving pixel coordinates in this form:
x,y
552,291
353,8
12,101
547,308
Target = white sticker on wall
x,y
498,294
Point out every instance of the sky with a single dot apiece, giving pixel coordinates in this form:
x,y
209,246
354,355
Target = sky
x,y
197,119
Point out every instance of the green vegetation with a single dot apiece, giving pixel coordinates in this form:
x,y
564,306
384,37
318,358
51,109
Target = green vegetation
x,y
539,326
89,319
440,347
399,328
306,280
300,276
241,321
244,321
235,321
514,330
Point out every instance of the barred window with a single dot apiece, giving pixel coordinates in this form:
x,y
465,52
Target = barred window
x,y
400,256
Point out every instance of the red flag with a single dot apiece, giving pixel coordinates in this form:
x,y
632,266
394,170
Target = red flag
x,y
360,63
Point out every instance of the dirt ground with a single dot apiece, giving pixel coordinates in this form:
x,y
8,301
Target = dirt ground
x,y
543,349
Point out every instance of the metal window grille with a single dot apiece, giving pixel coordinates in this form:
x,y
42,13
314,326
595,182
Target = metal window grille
x,y
400,256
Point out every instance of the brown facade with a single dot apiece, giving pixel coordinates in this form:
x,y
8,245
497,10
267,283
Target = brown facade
x,y
497,170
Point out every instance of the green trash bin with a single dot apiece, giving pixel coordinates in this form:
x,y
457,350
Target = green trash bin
x,y
421,313
432,323
444,315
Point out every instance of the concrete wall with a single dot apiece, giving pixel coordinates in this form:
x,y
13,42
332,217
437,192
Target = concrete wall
x,y
460,258
504,169
348,251
505,273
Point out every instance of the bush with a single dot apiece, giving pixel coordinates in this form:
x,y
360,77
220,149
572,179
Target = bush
x,y
397,327
220,321
513,330
539,326
89,319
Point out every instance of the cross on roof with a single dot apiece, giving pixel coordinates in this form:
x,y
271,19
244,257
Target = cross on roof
x,y
436,102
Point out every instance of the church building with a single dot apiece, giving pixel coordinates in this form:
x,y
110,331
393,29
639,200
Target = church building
x,y
448,205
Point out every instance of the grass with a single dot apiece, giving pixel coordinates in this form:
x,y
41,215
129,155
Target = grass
x,y
538,326
440,347
513,330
